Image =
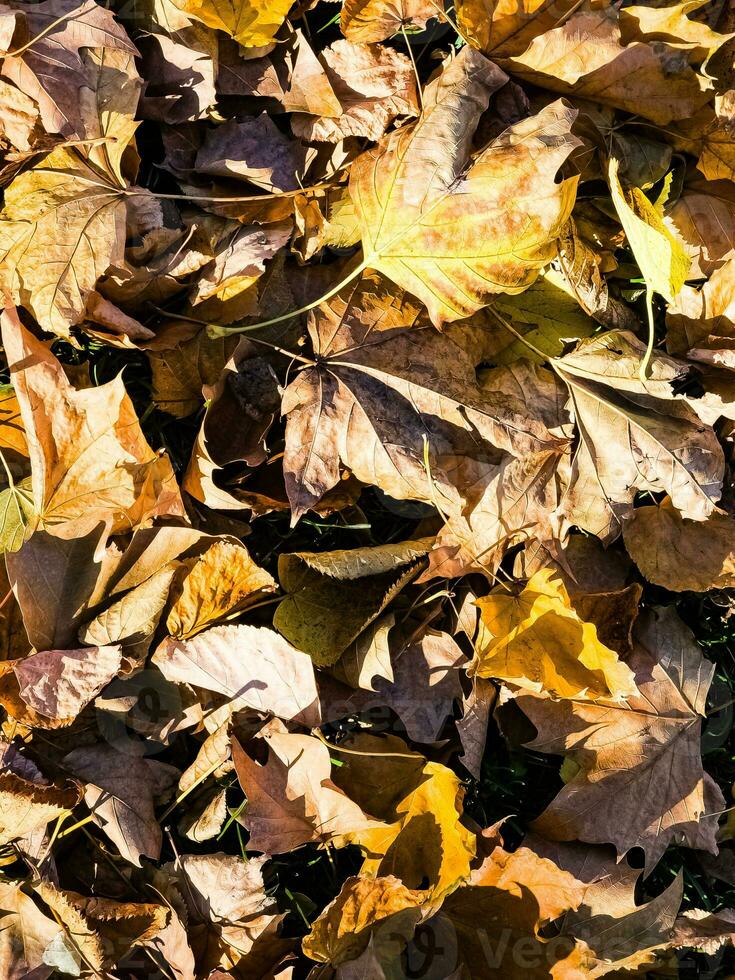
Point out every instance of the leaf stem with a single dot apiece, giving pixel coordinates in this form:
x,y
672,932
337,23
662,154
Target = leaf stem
x,y
324,185
145,191
569,13
501,319
76,826
52,840
380,755
3,460
69,15
453,24
190,789
415,69
306,361
643,371
216,330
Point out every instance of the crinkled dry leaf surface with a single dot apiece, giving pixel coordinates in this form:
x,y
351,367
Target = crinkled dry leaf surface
x,y
367,526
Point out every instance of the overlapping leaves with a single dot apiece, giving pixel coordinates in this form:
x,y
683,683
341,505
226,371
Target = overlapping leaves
x,y
297,625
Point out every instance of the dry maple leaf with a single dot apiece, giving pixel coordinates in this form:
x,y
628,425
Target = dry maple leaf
x,y
682,555
386,389
88,453
181,73
250,666
422,840
585,57
536,641
623,933
365,908
640,781
53,579
120,792
634,435
373,86
501,911
181,371
28,801
132,620
516,502
62,227
716,159
63,224
701,322
703,217
291,798
419,679
54,69
31,942
439,224
506,27
517,505
102,930
367,21
60,683
225,906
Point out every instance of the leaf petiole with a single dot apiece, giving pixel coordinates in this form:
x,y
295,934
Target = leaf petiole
x,y
215,330
643,370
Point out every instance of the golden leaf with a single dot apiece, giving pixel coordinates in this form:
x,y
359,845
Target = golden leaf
x,y
660,257
252,23
537,641
342,931
441,226
422,841
62,227
88,453
223,581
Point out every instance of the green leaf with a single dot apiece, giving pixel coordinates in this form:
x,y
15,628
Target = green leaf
x,y
660,256
16,513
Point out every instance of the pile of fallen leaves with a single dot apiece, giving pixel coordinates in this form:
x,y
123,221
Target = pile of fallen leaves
x,y
367,496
